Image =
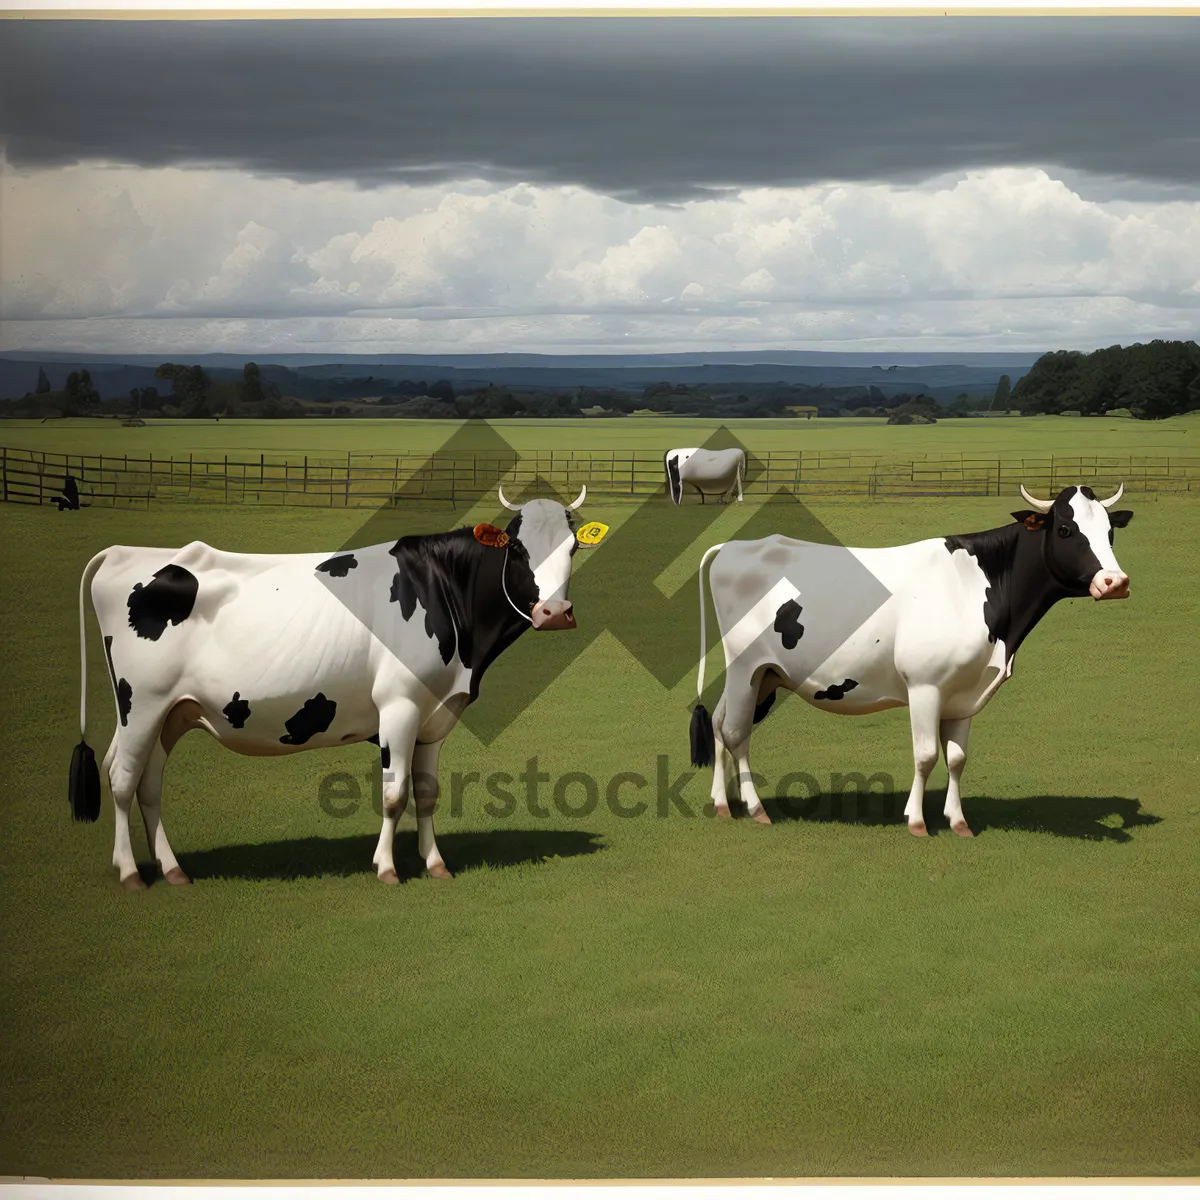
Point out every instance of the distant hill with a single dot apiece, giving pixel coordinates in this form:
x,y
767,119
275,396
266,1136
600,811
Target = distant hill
x,y
317,377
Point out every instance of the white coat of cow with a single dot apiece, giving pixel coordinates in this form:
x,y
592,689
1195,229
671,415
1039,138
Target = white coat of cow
x,y
933,625
277,653
709,472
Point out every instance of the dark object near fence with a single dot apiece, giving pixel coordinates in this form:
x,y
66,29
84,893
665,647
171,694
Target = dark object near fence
x,y
70,495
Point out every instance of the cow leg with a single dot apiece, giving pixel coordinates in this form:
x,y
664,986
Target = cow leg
x,y
732,724
149,797
425,793
397,738
924,706
720,797
127,759
953,735
749,793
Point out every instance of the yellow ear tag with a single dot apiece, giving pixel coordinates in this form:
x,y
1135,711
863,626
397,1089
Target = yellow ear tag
x,y
591,534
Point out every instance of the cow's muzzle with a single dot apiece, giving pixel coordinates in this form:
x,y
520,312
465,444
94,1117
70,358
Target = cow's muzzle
x,y
1110,585
553,614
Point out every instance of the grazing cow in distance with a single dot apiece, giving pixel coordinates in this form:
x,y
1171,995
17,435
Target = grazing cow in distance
x,y
276,653
934,625
709,472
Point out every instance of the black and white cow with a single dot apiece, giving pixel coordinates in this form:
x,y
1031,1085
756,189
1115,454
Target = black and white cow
x,y
276,653
709,472
940,635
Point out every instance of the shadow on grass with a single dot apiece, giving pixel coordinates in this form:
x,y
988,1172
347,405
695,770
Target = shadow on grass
x,y
1089,818
318,857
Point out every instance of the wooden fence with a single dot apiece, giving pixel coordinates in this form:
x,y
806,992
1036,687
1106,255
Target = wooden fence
x,y
374,480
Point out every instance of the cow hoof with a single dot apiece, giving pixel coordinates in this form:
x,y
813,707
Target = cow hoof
x,y
133,883
438,871
962,829
761,817
917,829
722,810
176,876
389,876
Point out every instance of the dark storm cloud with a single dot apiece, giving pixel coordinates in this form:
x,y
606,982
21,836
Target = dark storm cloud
x,y
641,108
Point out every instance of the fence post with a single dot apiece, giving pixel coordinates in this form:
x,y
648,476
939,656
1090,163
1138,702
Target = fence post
x,y
225,476
306,473
4,471
347,501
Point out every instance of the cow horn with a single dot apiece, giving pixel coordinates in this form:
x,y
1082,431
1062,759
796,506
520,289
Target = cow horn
x,y
579,499
1114,498
1042,506
512,507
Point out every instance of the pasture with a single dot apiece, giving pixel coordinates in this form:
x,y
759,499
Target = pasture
x,y
598,995
331,438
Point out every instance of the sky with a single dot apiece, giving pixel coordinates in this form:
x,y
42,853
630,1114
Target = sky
x,y
616,184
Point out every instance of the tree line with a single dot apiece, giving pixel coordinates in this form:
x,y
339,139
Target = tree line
x,y
1151,381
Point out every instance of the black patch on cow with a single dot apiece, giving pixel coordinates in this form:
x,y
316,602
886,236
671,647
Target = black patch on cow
x,y
315,717
124,699
673,477
991,554
461,585
763,707
1087,493
339,566
237,711
168,598
413,585
837,691
374,739
787,624
122,688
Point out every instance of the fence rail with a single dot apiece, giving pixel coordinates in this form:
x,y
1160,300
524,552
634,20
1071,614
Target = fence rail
x,y
374,480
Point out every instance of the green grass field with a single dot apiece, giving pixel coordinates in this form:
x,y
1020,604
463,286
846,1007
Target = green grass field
x,y
652,996
327,437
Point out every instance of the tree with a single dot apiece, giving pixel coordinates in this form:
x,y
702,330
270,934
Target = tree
x,y
191,386
80,394
43,383
443,390
252,387
1002,398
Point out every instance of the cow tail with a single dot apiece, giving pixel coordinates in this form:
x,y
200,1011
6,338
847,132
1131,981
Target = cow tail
x,y
702,727
85,777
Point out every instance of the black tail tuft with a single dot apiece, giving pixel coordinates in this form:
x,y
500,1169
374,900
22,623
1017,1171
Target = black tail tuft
x,y
85,784
702,737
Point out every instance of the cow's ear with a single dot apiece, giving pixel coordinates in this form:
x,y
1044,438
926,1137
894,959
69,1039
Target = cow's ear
x,y
1120,518
489,535
1029,518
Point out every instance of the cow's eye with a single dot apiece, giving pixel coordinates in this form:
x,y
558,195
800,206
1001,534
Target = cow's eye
x,y
1064,531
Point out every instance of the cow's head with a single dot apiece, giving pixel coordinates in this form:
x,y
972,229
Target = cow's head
x,y
1079,540
540,541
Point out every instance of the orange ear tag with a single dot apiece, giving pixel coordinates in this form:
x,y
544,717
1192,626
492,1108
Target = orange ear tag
x,y
489,535
1034,522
